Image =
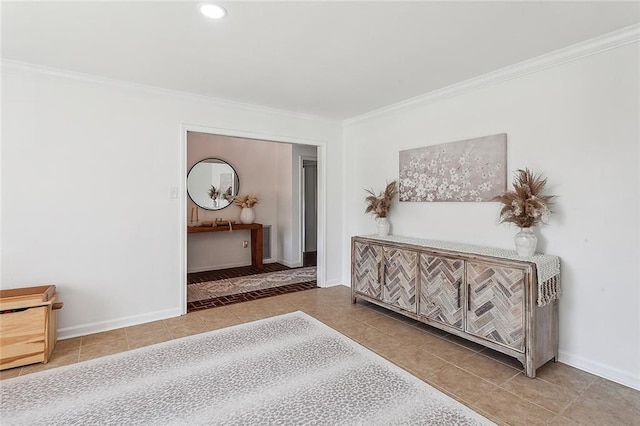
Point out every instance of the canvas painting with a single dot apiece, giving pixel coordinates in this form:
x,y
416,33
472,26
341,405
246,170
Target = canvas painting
x,y
468,170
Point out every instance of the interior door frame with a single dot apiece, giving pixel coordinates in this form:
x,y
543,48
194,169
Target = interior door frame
x,y
182,194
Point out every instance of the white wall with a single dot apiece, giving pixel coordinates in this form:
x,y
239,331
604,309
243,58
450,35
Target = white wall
x,y
576,123
256,163
271,171
285,198
87,166
289,181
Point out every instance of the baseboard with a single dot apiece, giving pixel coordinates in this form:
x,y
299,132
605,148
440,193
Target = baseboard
x,y
611,373
98,327
290,264
333,283
225,266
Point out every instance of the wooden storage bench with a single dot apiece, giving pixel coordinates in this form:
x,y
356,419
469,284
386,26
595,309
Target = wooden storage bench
x,y
28,323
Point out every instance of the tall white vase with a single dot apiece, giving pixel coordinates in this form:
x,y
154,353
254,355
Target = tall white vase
x,y
526,242
384,226
247,215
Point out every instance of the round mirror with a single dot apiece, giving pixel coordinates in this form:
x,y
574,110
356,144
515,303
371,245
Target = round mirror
x,y
212,184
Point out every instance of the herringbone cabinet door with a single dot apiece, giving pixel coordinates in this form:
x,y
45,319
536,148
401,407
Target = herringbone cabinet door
x,y
401,273
441,291
496,303
367,264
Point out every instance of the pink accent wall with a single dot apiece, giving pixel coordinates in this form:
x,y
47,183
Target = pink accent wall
x,y
258,164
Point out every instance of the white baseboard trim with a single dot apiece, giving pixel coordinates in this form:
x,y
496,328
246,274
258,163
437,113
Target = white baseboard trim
x,y
625,378
333,283
216,267
98,327
290,264
225,266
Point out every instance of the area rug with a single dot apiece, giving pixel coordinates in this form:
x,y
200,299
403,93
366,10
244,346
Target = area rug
x,y
289,369
225,287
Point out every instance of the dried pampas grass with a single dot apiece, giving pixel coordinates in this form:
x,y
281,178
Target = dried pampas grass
x,y
227,195
525,206
246,201
213,192
379,205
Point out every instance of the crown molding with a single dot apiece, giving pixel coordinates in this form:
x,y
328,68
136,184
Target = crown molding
x,y
593,46
8,64
589,47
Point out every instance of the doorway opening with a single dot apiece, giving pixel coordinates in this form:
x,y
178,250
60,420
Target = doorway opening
x,y
309,208
290,211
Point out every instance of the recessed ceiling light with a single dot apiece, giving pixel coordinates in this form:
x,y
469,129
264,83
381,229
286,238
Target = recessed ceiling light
x,y
213,11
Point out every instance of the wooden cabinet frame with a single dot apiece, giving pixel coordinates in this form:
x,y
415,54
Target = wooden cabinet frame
x,y
539,340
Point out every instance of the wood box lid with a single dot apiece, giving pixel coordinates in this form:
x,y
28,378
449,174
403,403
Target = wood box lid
x,y
26,296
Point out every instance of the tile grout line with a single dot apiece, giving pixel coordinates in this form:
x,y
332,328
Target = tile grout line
x,y
525,400
315,301
580,395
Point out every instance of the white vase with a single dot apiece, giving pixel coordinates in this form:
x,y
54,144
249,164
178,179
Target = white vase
x,y
383,226
247,215
526,242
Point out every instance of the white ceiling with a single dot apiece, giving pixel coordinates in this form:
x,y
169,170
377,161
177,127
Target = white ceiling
x,y
332,59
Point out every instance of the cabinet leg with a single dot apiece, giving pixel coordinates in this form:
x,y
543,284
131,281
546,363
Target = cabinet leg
x,y
353,299
529,371
556,326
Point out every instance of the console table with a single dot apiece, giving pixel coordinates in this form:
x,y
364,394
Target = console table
x,y
256,237
486,295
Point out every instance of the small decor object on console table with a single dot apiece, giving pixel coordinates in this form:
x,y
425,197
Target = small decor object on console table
x,y
379,206
247,215
525,206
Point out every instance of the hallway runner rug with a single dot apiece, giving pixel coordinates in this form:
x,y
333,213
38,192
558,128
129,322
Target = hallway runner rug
x,y
228,286
289,369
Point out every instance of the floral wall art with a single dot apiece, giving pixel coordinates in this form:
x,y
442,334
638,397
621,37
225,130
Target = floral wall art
x,y
468,170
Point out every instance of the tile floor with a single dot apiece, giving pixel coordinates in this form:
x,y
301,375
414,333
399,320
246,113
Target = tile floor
x,y
486,381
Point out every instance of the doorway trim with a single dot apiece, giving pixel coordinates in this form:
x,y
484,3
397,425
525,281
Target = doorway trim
x,y
182,193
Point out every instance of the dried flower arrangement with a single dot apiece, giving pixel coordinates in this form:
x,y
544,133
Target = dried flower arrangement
x,y
214,193
246,201
379,205
525,205
227,195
